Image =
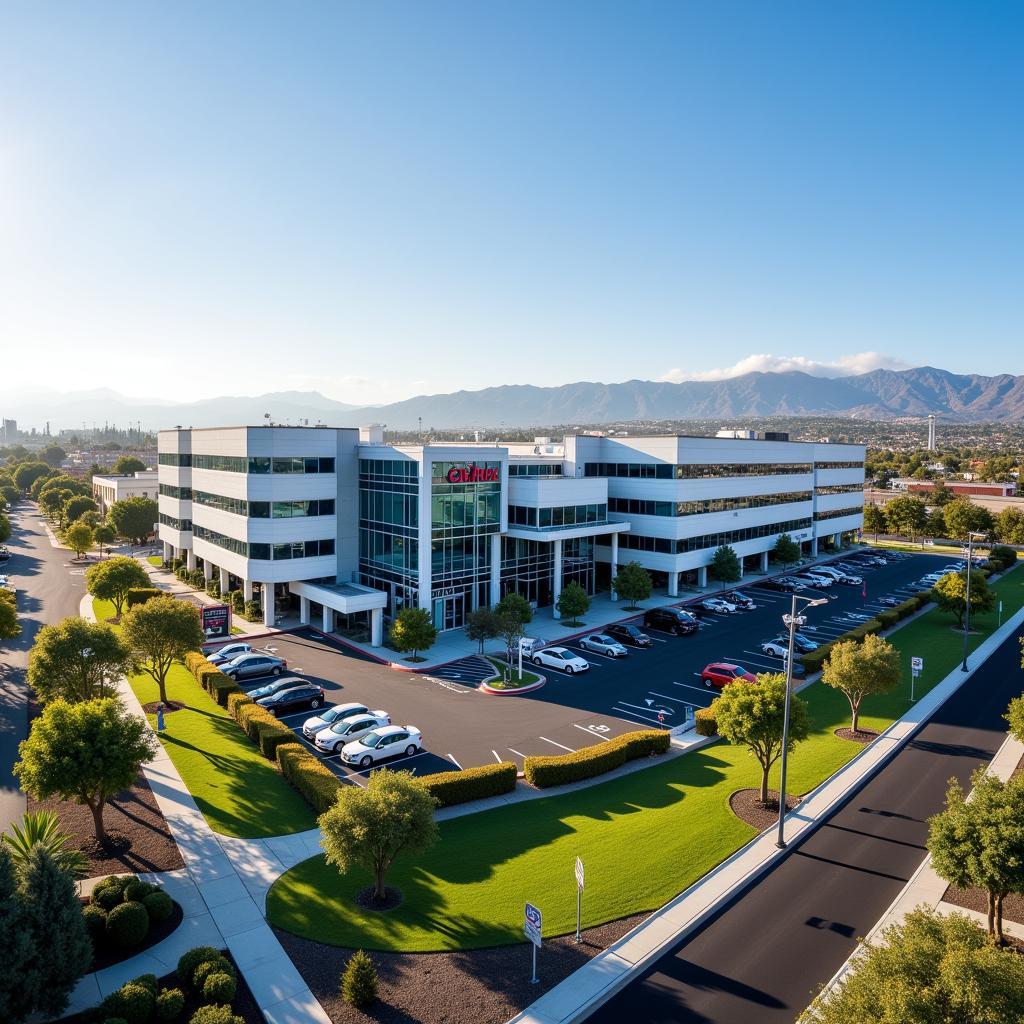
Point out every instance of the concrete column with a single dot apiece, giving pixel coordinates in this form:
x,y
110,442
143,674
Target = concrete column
x,y
178,552
376,627
190,559
225,581
615,562
207,570
764,561
814,548
268,604
495,569
702,576
673,584
304,610
328,620
247,590
837,539
742,569
556,586
168,552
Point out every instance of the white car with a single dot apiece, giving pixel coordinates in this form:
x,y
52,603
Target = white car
x,y
228,653
716,604
561,658
345,730
387,741
602,644
775,649
312,726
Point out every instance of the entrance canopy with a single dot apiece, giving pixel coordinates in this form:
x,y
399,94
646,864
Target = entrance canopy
x,y
346,598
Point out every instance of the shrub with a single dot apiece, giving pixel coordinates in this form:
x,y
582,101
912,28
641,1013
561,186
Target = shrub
x,y
558,769
114,1020
192,958
146,981
213,586
316,783
95,922
219,987
140,595
182,572
704,722
450,788
110,891
359,980
257,721
237,602
273,735
158,905
197,579
127,924
235,701
888,619
212,1014
906,608
137,1002
217,965
137,890
170,1003
252,610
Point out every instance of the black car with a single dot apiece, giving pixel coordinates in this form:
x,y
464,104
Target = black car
x,y
306,695
4,554
670,620
628,635
741,600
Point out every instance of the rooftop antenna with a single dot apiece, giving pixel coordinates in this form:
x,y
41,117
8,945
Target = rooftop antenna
x,y
266,416
419,428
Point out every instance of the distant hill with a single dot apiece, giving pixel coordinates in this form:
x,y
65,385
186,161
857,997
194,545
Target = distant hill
x,y
880,394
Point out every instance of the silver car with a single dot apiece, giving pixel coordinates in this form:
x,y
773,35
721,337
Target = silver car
x,y
253,666
601,643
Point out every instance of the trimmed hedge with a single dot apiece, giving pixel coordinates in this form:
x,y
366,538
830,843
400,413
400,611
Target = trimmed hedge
x,y
140,595
449,788
263,729
888,618
210,678
235,701
127,924
316,783
559,769
252,610
704,722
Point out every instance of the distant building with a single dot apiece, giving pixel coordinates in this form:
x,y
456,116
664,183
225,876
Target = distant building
x,y
108,489
9,433
911,485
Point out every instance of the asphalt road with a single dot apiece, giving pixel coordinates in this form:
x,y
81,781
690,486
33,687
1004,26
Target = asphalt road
x,y
50,588
764,958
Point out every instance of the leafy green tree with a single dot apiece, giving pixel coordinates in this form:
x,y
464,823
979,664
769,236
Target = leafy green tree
x,y
42,480
16,1001
963,516
874,520
159,633
5,528
111,580
412,631
10,628
78,506
906,516
517,606
725,565
84,752
980,842
53,455
860,669
61,480
369,827
53,500
751,715
633,584
9,493
935,525
931,968
572,602
941,494
104,535
950,594
1009,526
78,537
76,660
43,828
511,630
128,465
482,625
786,550
133,518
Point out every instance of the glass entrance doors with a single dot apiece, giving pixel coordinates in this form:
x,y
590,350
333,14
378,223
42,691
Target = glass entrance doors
x,y
450,611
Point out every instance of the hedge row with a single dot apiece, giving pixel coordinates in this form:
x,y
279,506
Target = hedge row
x,y
316,783
450,788
263,728
704,722
140,595
210,678
559,769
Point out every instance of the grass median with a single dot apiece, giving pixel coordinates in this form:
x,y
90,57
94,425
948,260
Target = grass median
x,y
238,790
468,891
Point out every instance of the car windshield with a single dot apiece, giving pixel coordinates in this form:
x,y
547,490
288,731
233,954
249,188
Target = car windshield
x,y
739,671
371,739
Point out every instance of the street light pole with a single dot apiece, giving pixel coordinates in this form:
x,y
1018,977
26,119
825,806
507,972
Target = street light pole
x,y
967,599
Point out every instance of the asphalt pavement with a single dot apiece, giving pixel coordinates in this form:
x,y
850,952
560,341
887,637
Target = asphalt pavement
x,y
764,957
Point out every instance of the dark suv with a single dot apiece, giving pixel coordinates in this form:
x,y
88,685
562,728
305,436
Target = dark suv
x,y
670,620
629,635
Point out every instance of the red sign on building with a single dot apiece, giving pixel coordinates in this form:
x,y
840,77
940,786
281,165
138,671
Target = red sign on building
x,y
473,474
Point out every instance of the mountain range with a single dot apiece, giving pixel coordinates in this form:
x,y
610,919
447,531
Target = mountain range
x,y
879,394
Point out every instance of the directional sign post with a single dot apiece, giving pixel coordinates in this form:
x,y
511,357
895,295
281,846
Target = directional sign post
x,y
532,928
579,895
916,668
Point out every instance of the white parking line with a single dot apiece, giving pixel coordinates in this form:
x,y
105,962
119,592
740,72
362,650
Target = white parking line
x,y
459,766
572,750
514,751
496,757
650,710
296,714
603,739
373,767
665,696
706,691
633,714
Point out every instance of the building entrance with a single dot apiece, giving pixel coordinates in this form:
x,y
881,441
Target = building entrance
x,y
450,611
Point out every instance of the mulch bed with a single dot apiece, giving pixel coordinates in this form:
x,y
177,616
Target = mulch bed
x,y
169,705
480,986
110,955
860,736
976,899
746,805
392,899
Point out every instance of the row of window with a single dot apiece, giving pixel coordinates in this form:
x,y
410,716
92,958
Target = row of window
x,y
549,518
257,464
839,489
181,493
466,508
838,513
535,469
839,465
670,546
400,468
642,507
176,524
692,470
267,552
398,553
390,507
266,509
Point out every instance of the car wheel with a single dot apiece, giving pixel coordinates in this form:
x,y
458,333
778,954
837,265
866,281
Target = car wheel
x,y
276,670
537,661
365,761
410,750
315,703
337,747
707,682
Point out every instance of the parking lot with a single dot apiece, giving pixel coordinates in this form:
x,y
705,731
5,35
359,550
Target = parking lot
x,y
649,688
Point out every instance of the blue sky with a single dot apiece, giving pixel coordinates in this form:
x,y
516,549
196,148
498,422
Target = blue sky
x,y
383,199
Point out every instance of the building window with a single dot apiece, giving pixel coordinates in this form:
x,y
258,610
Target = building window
x,y
692,470
642,507
174,459
839,489
266,509
184,525
839,465
534,469
259,465
839,513
668,546
181,493
265,552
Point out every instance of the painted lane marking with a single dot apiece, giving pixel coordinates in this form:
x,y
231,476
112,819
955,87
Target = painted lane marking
x,y
707,691
454,762
588,729
496,757
633,714
514,751
572,750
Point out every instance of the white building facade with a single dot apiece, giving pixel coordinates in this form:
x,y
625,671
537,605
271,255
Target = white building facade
x,y
108,489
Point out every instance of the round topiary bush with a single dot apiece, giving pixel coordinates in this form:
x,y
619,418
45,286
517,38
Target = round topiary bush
x,y
219,965
169,1004
95,921
137,1002
192,958
127,924
359,980
147,981
137,891
158,905
108,896
213,1014
115,1020
219,987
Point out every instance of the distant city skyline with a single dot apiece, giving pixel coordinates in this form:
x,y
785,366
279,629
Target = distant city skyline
x,y
388,200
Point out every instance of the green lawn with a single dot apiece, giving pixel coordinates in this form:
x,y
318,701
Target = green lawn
x,y
468,891
238,790
515,679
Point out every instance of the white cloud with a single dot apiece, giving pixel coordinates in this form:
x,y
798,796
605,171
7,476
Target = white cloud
x,y
860,362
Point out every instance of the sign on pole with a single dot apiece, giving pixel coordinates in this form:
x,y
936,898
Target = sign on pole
x,y
216,621
917,664
579,895
916,668
579,874
531,928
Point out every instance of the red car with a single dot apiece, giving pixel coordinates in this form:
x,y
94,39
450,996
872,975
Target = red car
x,y
719,673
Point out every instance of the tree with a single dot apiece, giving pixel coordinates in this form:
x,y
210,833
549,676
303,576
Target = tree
x,y
61,480
482,625
786,550
980,842
15,1001
104,535
963,516
76,660
516,605
111,580
359,980
413,631
78,537
41,481
935,524
906,516
5,528
633,584
84,752
511,630
133,518
874,520
725,565
751,715
53,500
1009,526
1015,712
159,633
941,494
76,507
128,465
53,455
369,827
950,594
9,625
931,968
572,602
860,669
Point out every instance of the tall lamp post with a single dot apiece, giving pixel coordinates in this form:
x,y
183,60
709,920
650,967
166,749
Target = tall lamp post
x,y
967,599
793,622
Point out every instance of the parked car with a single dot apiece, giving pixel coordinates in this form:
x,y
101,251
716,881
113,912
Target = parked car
x,y
792,584
777,648
742,601
4,554
312,726
721,673
529,646
671,620
601,643
227,653
388,741
305,695
889,602
285,683
561,658
629,635
819,582
334,738
780,583
831,571
850,580
804,644
717,604
253,665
